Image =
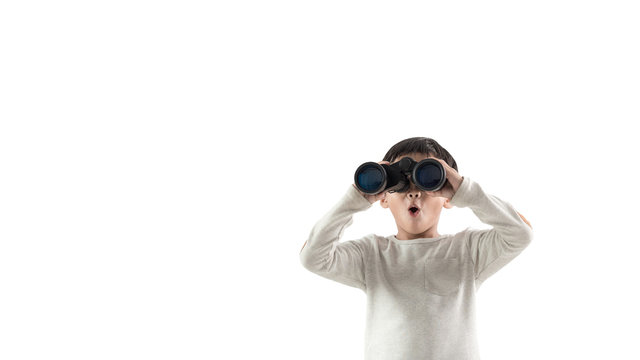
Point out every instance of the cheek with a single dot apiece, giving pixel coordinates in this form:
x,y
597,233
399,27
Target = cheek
x,y
433,205
436,206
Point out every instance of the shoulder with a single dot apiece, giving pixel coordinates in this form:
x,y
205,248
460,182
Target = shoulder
x,y
472,230
372,242
469,233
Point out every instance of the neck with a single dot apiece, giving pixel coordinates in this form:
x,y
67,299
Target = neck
x,y
429,233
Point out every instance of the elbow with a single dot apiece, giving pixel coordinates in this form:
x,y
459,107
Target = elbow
x,y
312,260
306,258
526,236
309,264
529,236
525,221
518,238
528,230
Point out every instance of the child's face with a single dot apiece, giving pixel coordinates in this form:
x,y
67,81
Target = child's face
x,y
424,224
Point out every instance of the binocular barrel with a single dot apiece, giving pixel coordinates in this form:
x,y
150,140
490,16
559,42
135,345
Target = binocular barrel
x,y
373,178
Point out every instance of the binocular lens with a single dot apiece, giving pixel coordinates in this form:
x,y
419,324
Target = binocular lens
x,y
429,176
370,178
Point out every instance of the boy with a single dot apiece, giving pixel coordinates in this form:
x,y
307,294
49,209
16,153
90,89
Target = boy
x,y
420,285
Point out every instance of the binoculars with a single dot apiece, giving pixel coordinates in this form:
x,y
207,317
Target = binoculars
x,y
373,178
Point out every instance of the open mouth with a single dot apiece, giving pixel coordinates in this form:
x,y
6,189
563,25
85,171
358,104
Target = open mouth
x,y
414,211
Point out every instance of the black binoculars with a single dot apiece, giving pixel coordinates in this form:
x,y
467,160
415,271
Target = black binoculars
x,y
373,178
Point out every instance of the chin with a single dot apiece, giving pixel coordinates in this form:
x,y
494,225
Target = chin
x,y
417,231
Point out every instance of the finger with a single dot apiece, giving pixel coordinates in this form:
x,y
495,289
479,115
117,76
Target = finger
x,y
448,169
444,163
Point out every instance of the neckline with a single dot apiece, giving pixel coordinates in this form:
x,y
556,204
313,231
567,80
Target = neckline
x,y
416,241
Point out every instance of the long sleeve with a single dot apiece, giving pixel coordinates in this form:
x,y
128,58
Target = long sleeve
x,y
324,255
491,249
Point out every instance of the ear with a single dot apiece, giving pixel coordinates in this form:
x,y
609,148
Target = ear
x,y
383,201
446,204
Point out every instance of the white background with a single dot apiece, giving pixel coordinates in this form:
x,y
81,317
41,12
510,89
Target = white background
x,y
163,162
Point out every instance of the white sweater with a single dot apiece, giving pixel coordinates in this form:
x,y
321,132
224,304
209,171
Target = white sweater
x,y
421,292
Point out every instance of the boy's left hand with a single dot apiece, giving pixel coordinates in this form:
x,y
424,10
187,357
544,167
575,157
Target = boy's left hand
x,y
451,185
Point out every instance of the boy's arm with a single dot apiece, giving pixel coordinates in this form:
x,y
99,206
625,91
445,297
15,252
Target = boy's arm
x,y
525,220
493,248
324,255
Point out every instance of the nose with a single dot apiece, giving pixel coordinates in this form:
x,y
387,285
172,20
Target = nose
x,y
413,191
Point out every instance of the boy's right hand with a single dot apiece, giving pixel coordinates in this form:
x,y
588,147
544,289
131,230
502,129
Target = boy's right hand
x,y
373,198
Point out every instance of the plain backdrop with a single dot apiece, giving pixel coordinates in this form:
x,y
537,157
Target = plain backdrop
x,y
163,162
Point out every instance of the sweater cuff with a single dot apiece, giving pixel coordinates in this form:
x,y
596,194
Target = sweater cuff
x,y
355,199
464,196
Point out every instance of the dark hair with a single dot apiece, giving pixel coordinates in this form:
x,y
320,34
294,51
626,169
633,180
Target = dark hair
x,y
423,145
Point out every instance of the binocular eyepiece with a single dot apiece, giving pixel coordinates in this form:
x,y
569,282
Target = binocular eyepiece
x,y
373,178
